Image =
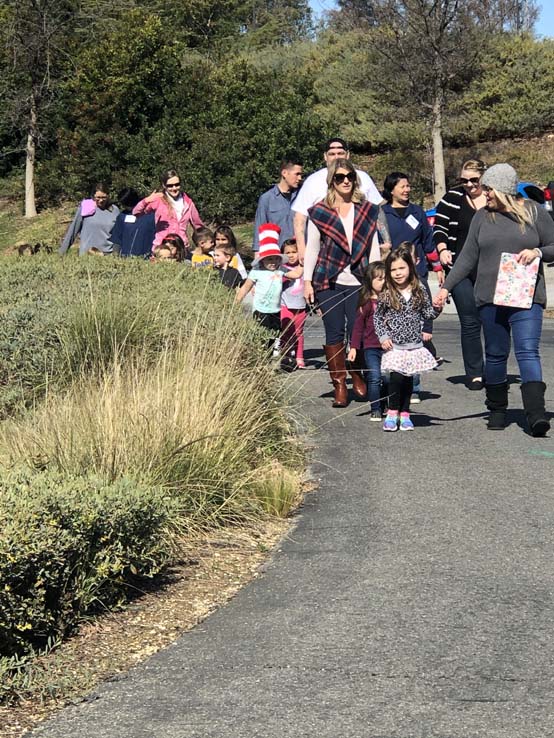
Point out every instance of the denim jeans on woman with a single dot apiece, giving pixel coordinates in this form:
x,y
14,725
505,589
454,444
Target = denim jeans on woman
x,y
338,305
500,325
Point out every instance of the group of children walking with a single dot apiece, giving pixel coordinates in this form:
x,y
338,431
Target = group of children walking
x,y
211,250
393,308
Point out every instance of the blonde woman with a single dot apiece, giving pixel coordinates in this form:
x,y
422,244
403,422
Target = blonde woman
x,y
454,215
507,224
340,237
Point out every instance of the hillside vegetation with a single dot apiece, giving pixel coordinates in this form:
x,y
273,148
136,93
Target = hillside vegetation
x,y
221,92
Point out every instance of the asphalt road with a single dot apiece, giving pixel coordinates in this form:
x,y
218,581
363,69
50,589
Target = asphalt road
x,y
414,597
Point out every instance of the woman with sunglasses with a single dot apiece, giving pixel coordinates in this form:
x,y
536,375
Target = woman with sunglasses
x,y
172,208
454,215
338,252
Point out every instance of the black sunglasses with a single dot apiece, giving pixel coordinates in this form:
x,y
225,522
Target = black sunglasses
x,y
173,184
470,180
339,178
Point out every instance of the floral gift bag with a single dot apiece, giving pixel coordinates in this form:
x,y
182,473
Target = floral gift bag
x,y
515,285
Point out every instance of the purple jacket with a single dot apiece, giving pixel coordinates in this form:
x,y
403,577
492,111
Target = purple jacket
x,y
363,333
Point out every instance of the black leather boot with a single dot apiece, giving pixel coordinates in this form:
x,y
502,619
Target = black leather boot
x,y
532,394
497,403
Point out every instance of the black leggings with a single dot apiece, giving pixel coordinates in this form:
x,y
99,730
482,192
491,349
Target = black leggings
x,y
400,392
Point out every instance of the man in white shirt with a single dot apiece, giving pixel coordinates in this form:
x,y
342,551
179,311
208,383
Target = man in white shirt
x,y
314,189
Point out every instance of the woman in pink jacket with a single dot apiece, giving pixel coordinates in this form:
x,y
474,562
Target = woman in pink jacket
x,y
173,209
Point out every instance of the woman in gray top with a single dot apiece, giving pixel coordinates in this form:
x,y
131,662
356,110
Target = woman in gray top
x,y
93,222
507,224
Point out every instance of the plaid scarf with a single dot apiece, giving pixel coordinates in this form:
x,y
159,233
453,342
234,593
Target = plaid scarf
x,y
334,253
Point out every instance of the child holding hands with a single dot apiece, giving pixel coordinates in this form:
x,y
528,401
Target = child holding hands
x,y
267,276
402,307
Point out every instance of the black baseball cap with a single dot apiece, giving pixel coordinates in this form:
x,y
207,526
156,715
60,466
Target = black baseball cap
x,y
335,140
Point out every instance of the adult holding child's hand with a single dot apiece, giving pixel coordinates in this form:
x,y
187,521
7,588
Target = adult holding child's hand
x,y
174,210
508,224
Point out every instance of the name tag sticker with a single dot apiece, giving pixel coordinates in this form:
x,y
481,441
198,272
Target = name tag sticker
x,y
132,218
412,222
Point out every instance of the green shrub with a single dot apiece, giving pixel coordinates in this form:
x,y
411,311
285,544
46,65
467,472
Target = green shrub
x,y
147,405
70,547
60,316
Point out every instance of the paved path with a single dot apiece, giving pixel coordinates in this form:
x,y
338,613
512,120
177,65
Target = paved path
x,y
414,598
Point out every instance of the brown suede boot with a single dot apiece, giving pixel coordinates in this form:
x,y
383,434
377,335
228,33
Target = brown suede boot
x,y
337,369
358,384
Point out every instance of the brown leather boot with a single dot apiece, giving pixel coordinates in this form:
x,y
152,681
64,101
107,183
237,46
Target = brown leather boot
x,y
337,369
358,384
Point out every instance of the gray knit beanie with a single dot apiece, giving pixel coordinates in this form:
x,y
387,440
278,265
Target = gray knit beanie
x,y
502,178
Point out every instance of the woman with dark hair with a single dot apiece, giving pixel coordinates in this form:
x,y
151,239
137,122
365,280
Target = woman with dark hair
x,y
454,215
93,223
173,209
340,237
508,224
134,236
408,222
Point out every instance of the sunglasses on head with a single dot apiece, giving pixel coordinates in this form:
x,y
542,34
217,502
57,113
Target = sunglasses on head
x,y
339,178
470,180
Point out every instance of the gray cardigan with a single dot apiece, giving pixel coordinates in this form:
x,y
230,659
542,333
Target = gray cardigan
x,y
489,235
94,230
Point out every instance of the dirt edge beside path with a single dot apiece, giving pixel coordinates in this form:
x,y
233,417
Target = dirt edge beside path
x,y
212,572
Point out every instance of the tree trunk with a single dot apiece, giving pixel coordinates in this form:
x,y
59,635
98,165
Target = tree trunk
x,y
30,152
438,151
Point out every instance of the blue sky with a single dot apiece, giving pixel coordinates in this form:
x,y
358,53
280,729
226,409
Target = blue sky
x,y
545,25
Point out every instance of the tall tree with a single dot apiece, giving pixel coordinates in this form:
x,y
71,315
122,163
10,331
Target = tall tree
x,y
35,41
432,49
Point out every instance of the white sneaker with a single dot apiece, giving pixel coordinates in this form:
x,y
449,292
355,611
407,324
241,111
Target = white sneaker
x,y
415,399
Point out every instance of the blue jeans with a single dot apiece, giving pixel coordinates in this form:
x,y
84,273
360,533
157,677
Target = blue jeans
x,y
524,326
470,328
338,305
372,358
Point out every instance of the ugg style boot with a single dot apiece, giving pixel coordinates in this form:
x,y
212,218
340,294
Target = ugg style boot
x,y
355,370
532,394
336,358
497,403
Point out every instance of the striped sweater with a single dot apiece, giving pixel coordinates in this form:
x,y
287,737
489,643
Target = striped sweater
x,y
454,216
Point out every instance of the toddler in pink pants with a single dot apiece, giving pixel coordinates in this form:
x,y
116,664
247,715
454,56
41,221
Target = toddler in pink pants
x,y
293,309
